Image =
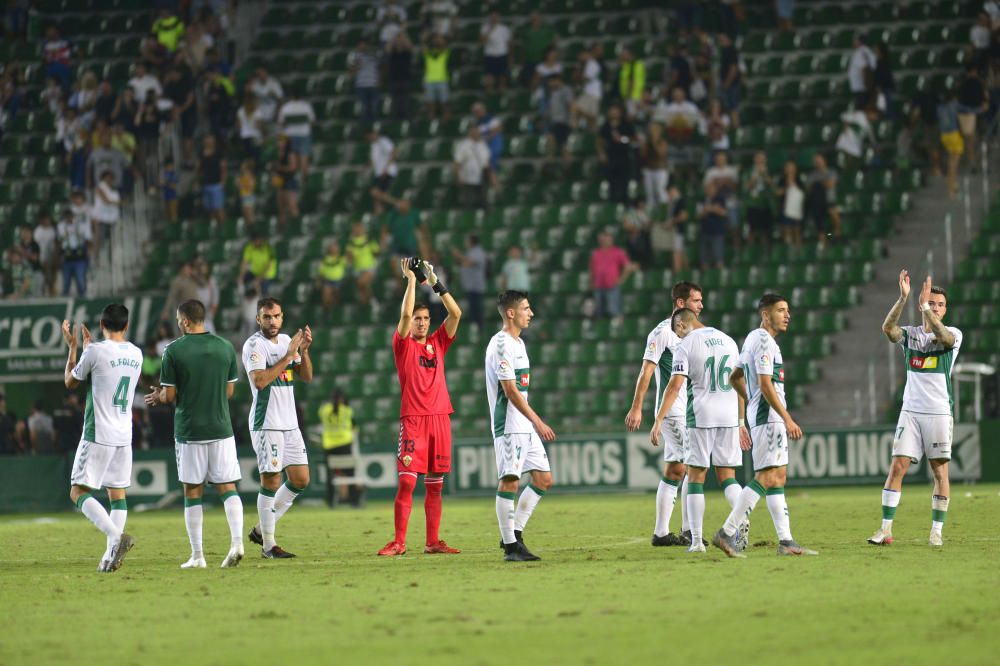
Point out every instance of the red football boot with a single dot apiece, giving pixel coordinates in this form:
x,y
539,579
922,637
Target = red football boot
x,y
392,549
440,548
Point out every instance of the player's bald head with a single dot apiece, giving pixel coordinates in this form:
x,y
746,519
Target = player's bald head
x,y
684,316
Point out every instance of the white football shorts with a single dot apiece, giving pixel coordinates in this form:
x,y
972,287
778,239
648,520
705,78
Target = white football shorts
x,y
99,466
208,462
716,446
770,446
674,434
920,435
277,449
519,453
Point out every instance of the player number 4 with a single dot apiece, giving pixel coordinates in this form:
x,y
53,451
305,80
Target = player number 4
x,y
121,395
718,381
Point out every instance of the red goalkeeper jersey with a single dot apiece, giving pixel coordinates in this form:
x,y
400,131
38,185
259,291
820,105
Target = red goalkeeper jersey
x,y
420,368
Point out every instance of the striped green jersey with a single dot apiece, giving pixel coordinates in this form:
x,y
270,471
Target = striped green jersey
x,y
273,406
660,346
761,357
111,371
507,358
928,370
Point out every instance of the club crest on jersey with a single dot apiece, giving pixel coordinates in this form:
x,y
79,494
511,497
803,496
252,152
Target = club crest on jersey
x,y
274,462
429,348
924,362
407,460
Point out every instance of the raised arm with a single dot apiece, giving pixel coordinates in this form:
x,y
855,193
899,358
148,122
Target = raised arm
x,y
449,302
634,417
69,336
891,324
409,299
515,398
944,337
264,377
306,368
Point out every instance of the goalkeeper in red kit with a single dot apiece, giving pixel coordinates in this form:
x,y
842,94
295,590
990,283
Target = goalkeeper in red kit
x,y
425,407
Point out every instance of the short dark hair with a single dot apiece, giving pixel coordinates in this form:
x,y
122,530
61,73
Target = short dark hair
x,y
192,310
114,317
421,306
682,314
267,302
935,289
768,300
508,299
683,289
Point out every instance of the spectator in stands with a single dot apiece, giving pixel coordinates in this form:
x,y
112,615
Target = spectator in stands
x,y
169,182
609,268
559,112
52,96
884,80
48,255
124,142
182,288
537,39
67,421
516,271
179,88
495,37
856,132
250,122
260,264
473,265
472,169
727,181
247,184
208,290
636,226
195,46
219,94
107,98
653,160
106,158
588,103
614,149
491,129
83,98
362,67
681,118
57,54
678,73
164,336
676,223
821,199
760,202
123,113
951,138
41,431
8,445
75,239
399,74
436,54
330,274
980,38
285,178
713,218
362,253
147,135
390,18
718,124
791,200
860,68
212,177
730,78
143,81
168,29
152,363
972,101
549,67
382,160
400,229
105,213
631,81
440,15
296,117
20,276
31,252
268,92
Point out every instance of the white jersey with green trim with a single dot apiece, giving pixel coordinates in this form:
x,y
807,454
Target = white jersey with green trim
x,y
660,346
761,356
706,356
507,358
273,406
111,370
928,370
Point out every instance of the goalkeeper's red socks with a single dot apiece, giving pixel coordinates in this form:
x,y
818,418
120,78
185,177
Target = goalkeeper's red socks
x,y
433,485
403,504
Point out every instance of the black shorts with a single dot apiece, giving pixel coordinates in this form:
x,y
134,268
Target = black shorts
x,y
560,131
496,65
382,182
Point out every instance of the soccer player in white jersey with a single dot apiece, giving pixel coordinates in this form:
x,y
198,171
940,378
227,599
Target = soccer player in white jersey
x,y
272,359
103,459
760,379
925,422
658,361
517,430
705,360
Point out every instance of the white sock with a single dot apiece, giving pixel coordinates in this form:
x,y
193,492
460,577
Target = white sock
x,y
118,517
234,516
696,514
939,511
890,500
265,510
193,518
283,500
666,495
745,503
95,512
526,504
505,516
732,493
684,501
779,513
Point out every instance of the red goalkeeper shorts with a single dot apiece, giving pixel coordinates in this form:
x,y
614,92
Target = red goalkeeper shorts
x,y
424,444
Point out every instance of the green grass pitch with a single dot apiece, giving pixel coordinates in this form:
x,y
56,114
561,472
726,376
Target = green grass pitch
x,y
601,595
